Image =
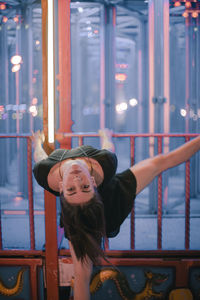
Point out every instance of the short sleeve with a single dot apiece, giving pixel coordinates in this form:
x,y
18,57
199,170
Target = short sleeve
x,y
118,197
41,171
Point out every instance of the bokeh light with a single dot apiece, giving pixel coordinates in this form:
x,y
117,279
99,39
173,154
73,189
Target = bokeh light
x,y
16,59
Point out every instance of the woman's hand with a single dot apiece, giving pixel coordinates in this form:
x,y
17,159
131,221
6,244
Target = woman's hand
x,y
106,139
38,138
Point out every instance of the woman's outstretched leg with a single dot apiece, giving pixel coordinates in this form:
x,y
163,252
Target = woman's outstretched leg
x,y
146,170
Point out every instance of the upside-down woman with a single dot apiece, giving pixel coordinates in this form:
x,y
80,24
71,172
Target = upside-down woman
x,y
94,199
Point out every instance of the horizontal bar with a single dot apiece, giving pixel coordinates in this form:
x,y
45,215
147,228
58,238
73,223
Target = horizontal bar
x,y
27,253
14,212
21,261
60,136
24,136
165,254
21,212
145,253
93,134
153,262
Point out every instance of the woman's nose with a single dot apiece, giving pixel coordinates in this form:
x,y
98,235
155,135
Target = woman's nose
x,y
77,178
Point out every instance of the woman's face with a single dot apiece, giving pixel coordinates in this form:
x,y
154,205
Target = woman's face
x,y
77,185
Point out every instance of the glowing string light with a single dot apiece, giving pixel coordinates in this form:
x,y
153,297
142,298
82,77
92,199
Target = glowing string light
x,y
50,72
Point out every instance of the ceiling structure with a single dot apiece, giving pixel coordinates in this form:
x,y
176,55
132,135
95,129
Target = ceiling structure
x,y
129,14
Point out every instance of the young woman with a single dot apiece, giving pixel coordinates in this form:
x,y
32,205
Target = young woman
x,y
94,199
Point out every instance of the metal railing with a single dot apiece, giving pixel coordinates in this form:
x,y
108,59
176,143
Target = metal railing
x,y
159,138
125,257
132,137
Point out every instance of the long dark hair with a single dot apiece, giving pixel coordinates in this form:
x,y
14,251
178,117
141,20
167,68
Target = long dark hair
x,y
84,226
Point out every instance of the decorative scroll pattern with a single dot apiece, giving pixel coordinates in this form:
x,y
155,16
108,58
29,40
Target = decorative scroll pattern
x,y
16,289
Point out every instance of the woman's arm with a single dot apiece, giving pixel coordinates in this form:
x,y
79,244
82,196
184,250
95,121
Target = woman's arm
x,y
38,140
82,274
146,170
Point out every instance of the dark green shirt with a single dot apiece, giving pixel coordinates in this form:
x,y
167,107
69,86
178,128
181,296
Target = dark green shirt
x,y
117,190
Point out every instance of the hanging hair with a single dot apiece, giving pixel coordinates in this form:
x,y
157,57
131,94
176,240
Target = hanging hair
x,y
84,226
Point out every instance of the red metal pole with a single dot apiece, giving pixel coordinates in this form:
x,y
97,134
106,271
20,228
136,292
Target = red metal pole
x,y
159,234
51,261
187,202
34,283
80,141
64,70
106,244
132,150
187,70
50,203
30,192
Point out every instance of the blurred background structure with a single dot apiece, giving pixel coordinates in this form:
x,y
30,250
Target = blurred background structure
x,y
131,66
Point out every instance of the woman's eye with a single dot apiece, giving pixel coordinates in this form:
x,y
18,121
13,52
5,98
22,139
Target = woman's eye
x,y
86,186
70,189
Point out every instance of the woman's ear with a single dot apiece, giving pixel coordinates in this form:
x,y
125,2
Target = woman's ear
x,y
93,181
60,186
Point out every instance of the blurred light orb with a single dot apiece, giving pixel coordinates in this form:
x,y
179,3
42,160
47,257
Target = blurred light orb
x,y
133,102
5,19
177,3
188,4
16,59
2,6
183,112
34,101
37,42
80,9
195,14
185,14
16,68
16,19
32,109
121,107
120,76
